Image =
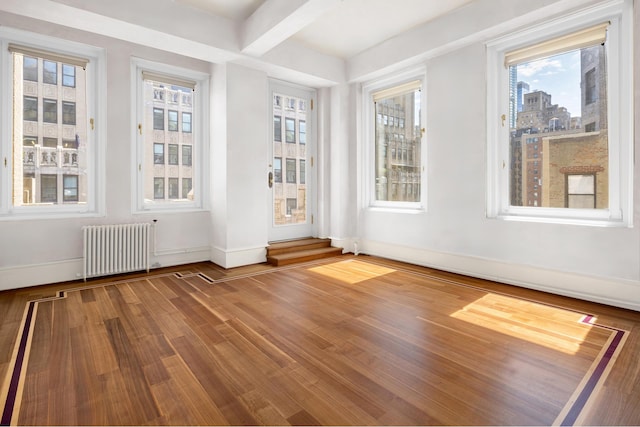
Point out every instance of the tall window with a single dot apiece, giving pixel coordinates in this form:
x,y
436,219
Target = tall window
x,y
56,150
291,171
277,169
302,131
556,159
397,179
277,128
68,75
290,130
169,155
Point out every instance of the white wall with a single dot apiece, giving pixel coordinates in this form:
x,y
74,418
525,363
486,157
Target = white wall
x,y
45,251
595,263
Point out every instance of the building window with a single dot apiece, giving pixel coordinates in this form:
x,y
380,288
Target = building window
x,y
158,118
186,188
173,188
290,129
581,191
70,188
48,188
186,155
173,154
302,131
186,122
571,64
48,176
50,111
68,113
30,108
277,169
172,120
30,69
292,204
291,171
50,72
158,188
392,173
158,154
181,139
303,172
277,128
68,75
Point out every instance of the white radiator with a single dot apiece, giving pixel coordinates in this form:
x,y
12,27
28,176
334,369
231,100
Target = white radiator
x,y
113,249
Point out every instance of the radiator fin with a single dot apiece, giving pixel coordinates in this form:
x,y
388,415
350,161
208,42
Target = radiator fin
x,y
114,249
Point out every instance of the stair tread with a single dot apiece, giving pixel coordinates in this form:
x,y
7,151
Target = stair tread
x,y
297,242
306,252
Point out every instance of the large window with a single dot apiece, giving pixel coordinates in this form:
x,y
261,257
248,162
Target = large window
x,y
169,155
57,153
395,152
551,153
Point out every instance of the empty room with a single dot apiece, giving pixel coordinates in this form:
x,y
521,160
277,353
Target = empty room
x,y
319,212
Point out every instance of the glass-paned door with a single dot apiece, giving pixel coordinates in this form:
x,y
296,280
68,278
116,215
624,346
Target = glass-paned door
x,y
291,148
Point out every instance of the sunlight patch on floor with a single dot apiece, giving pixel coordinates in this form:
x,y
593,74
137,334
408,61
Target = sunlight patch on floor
x,y
352,271
536,323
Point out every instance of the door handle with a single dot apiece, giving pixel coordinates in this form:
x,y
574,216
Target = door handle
x,y
270,179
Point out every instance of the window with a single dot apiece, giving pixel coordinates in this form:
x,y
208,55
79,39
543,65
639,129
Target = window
x,y
291,171
55,166
50,111
158,154
581,191
292,204
391,173
179,143
173,188
30,69
290,129
302,131
30,109
277,128
277,169
68,75
186,122
70,188
158,188
303,172
186,155
173,121
577,67
158,118
68,113
50,72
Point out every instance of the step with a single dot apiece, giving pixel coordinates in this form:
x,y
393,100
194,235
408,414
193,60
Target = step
x,y
288,246
303,256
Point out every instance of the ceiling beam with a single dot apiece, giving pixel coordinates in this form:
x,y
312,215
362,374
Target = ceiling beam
x,y
277,20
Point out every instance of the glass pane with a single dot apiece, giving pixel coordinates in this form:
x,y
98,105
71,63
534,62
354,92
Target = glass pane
x,y
397,155
558,130
168,147
51,165
289,188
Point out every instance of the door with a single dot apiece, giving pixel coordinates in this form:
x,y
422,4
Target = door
x,y
292,175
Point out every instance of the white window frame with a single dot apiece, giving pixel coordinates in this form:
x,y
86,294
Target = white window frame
x,y
369,131
199,132
620,117
96,118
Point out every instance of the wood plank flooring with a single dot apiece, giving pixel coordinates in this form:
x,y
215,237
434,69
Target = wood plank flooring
x,y
345,341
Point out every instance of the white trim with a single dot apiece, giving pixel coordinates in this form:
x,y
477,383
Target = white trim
x,y
620,117
590,288
366,145
200,134
230,258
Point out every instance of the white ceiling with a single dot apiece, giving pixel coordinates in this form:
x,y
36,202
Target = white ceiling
x,y
348,27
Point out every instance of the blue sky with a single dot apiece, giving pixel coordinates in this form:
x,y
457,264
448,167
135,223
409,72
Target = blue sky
x,y
558,76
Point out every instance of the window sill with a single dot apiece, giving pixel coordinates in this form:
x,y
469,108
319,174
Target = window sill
x,y
563,220
398,210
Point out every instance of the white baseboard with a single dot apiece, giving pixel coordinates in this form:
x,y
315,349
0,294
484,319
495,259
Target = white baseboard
x,y
610,291
63,271
347,244
230,258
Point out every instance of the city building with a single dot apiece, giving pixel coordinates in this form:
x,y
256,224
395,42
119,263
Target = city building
x,y
521,90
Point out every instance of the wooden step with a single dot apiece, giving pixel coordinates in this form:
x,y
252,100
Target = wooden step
x,y
300,250
303,255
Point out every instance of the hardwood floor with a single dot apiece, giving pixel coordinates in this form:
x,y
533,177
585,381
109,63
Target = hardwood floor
x,y
345,341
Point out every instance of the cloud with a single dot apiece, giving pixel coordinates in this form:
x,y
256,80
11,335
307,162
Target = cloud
x,y
548,66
